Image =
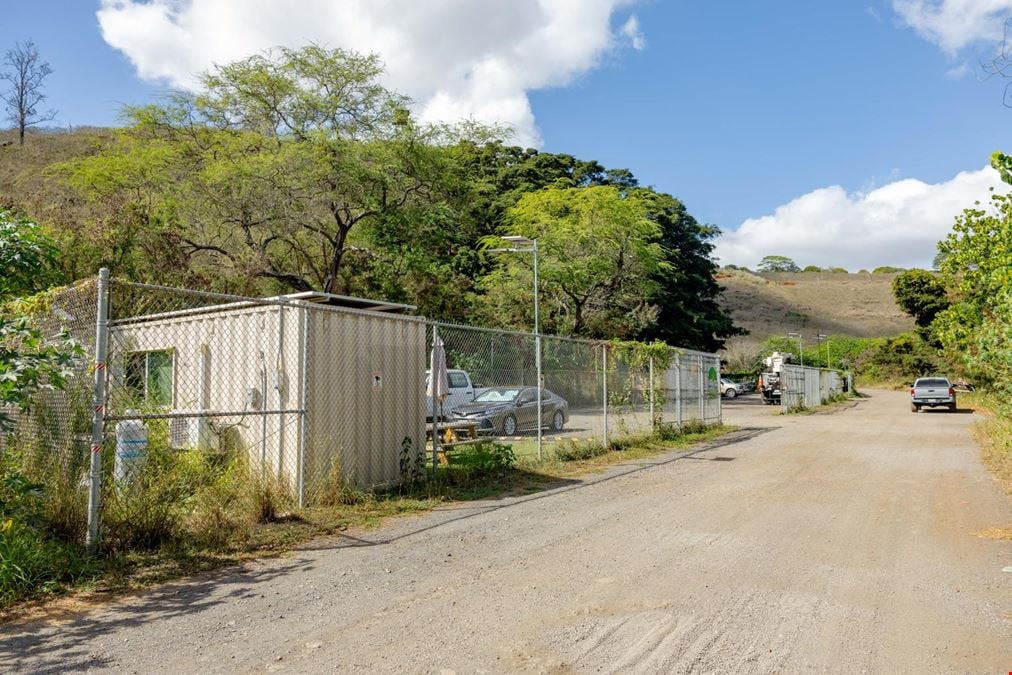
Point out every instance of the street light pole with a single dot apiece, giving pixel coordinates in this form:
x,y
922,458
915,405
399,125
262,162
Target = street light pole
x,y
820,337
517,241
537,344
801,348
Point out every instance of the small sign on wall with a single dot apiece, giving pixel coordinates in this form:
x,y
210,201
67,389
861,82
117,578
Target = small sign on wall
x,y
377,379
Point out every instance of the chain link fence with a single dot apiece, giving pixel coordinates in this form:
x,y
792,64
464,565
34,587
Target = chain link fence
x,y
50,439
194,410
807,387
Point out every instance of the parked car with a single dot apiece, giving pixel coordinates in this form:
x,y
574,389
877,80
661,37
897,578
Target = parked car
x,y
729,389
932,392
461,390
507,410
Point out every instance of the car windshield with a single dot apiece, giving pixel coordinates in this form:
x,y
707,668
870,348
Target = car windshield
x,y
498,395
932,382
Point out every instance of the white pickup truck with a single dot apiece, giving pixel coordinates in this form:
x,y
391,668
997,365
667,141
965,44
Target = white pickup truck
x,y
461,388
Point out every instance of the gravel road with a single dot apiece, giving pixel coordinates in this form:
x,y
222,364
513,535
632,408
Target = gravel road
x,y
831,542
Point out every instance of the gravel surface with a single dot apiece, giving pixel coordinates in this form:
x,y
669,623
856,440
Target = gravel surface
x,y
829,542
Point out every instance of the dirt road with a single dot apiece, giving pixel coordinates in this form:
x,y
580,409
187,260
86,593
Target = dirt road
x,y
841,542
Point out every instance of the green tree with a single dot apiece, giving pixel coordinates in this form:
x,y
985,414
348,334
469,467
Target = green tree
x,y
598,256
977,266
268,169
686,291
812,268
777,263
978,252
887,269
27,257
920,294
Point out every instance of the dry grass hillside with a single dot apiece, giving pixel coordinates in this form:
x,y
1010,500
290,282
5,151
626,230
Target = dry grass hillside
x,y
858,305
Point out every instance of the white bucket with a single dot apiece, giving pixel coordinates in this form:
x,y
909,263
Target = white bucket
x,y
131,450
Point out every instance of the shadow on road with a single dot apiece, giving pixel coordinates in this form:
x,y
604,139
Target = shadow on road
x,y
33,647
548,490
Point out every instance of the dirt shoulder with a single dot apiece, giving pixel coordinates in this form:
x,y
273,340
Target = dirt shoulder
x,y
850,541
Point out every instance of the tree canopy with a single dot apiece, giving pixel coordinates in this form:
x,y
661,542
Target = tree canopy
x,y
777,263
920,294
297,169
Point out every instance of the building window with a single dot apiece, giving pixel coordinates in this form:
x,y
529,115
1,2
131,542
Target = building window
x,y
149,376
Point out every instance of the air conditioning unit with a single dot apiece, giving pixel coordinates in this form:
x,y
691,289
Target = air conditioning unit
x,y
192,432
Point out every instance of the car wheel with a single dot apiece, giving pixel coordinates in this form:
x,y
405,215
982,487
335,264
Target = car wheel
x,y
730,393
509,426
558,421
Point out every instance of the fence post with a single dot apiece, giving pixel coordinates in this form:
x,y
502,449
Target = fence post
x,y
720,398
98,412
304,404
604,378
702,390
537,362
653,425
435,411
678,390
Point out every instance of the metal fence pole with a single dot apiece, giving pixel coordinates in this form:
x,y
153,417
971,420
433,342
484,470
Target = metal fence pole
x,y
537,362
303,402
678,390
702,389
98,412
604,378
720,402
435,412
651,389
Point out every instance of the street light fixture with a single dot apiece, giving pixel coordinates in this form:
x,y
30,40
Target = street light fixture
x,y
820,337
801,349
521,244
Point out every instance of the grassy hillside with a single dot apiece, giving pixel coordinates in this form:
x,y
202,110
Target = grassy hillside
x,y
858,305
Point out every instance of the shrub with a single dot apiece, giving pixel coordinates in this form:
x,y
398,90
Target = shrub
x,y
32,564
573,449
483,460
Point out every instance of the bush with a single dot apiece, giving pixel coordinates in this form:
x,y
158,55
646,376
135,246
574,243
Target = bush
x,y
672,432
32,564
573,449
483,460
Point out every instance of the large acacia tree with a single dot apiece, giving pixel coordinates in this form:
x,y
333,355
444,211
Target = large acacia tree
x,y
267,170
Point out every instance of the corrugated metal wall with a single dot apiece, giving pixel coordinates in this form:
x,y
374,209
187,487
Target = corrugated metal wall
x,y
366,396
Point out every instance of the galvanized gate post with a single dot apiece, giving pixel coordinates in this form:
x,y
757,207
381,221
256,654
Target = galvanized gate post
x,y
604,378
653,424
98,413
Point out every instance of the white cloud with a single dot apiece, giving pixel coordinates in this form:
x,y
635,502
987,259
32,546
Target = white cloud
x,y
631,30
955,24
456,58
897,224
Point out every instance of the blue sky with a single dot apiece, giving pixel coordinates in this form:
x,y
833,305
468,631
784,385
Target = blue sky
x,y
743,110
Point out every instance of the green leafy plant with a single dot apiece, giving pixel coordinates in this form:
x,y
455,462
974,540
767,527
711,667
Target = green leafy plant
x,y
483,460
27,257
29,363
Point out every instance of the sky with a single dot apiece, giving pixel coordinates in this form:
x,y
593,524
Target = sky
x,y
846,133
